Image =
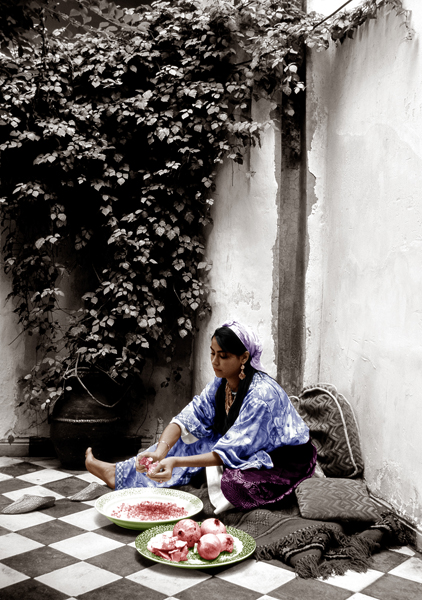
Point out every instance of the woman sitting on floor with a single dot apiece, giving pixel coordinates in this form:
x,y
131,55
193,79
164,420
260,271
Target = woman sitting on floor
x,y
242,427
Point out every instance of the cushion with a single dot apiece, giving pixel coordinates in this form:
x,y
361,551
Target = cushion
x,y
333,430
336,499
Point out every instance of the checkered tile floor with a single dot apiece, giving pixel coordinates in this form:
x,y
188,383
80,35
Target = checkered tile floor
x,y
70,551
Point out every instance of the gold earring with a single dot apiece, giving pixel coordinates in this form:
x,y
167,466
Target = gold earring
x,y
242,372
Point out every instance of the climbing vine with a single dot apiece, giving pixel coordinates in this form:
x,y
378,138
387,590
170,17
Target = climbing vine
x,y
110,139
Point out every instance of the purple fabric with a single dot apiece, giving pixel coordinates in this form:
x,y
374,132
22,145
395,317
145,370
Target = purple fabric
x,y
250,340
251,488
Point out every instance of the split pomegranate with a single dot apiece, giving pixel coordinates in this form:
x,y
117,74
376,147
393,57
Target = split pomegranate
x,y
212,526
145,460
169,547
188,531
148,463
209,546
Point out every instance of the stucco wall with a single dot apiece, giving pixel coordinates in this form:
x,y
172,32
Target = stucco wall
x,y
364,277
241,245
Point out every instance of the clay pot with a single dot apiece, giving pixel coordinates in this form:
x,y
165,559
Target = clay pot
x,y
87,415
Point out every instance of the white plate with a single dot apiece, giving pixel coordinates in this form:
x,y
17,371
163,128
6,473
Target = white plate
x,y
110,502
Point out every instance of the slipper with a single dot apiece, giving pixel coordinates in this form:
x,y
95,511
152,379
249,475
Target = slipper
x,y
28,503
94,490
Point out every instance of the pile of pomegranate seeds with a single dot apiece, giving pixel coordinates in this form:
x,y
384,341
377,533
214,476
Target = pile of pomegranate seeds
x,y
150,511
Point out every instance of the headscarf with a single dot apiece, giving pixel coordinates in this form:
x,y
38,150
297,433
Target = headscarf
x,y
250,340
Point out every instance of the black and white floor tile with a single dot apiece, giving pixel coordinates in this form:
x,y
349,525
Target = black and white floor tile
x,y
70,551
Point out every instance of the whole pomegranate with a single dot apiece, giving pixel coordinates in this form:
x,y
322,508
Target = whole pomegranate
x,y
188,531
212,526
227,542
209,546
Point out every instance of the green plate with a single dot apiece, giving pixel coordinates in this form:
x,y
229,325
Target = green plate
x,y
109,502
244,546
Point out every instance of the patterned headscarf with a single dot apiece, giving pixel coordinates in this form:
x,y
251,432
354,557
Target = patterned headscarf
x,y
250,340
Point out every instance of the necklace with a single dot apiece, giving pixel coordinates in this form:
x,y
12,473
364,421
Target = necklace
x,y
230,398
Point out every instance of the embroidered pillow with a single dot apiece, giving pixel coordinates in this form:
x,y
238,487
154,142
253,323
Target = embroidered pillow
x,y
333,430
336,499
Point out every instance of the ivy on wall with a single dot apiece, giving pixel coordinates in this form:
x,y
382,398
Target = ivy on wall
x,y
110,140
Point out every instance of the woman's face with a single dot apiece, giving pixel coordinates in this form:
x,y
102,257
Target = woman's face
x,y
226,365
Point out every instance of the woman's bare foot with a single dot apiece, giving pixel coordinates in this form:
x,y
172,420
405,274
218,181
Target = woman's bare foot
x,y
104,470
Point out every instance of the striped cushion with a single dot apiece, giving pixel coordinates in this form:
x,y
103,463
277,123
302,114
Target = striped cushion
x,y
336,499
333,430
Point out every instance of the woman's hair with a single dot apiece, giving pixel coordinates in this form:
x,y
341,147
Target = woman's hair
x,y
229,342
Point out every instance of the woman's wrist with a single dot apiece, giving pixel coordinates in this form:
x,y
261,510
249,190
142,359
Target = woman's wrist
x,y
162,449
199,460
164,442
161,452
175,462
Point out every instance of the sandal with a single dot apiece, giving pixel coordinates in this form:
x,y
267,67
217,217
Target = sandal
x,y
28,503
94,490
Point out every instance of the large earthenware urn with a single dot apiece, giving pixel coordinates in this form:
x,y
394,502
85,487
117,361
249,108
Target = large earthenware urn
x,y
87,415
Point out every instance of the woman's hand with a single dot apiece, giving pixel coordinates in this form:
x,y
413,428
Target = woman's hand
x,y
164,470
156,456
168,438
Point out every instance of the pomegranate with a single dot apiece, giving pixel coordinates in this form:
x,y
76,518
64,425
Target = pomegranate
x,y
179,555
147,462
188,531
212,526
209,546
227,542
169,547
